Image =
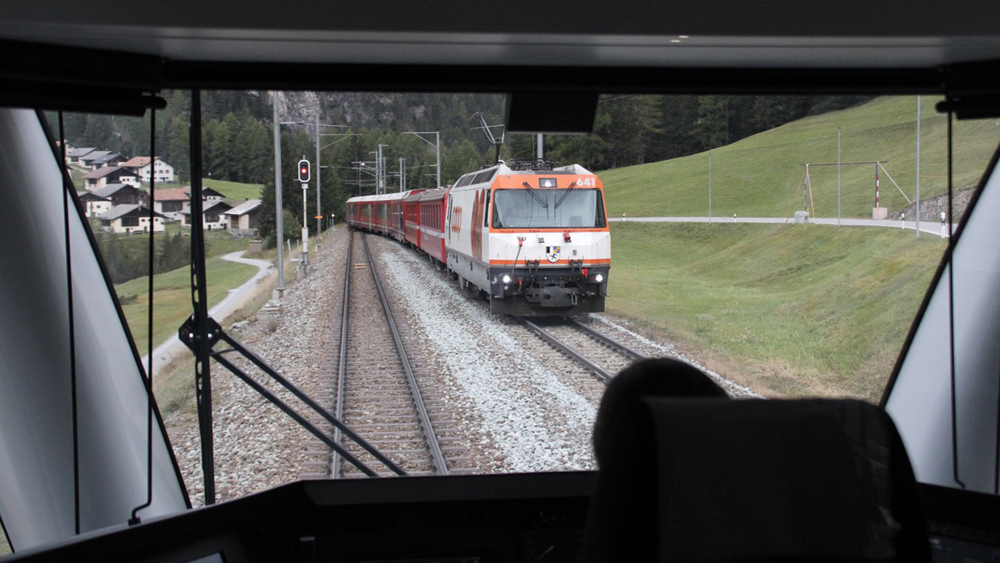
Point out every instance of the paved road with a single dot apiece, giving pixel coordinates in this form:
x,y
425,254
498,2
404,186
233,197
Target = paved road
x,y
925,226
236,299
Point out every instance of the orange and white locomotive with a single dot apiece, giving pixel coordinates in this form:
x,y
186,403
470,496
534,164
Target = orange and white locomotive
x,y
534,238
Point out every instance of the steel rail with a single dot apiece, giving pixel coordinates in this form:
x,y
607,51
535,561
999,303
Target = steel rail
x,y
342,369
614,344
425,420
597,370
300,395
264,392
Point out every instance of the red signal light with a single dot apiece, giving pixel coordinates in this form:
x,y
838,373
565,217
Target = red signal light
x,y
303,171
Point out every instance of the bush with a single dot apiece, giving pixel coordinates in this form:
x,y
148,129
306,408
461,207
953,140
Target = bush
x,y
291,228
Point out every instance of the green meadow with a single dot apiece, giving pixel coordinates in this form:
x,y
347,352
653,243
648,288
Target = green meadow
x,y
791,310
172,298
762,175
234,192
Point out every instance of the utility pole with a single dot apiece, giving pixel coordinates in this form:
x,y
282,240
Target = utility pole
x,y
380,171
539,148
277,197
319,208
918,166
402,175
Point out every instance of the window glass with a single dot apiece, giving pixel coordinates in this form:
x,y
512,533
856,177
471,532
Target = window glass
x,y
736,243
547,209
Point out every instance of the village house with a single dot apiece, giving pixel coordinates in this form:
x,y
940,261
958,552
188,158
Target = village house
x,y
123,194
73,155
242,219
208,195
112,159
212,216
93,204
89,158
163,172
130,219
171,203
110,175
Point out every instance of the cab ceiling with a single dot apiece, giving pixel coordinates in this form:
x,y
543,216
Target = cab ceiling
x,y
555,33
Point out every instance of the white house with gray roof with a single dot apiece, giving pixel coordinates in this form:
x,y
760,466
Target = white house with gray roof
x,y
110,175
93,204
130,219
213,216
242,219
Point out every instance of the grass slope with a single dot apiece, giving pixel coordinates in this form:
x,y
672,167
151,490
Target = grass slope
x,y
231,191
234,191
172,298
791,309
763,175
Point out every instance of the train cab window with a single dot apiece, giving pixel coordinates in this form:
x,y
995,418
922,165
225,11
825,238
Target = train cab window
x,y
724,249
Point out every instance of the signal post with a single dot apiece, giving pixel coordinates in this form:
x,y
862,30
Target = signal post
x,y
304,180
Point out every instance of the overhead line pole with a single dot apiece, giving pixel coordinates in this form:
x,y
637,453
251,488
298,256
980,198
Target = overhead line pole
x,y
319,209
277,198
918,166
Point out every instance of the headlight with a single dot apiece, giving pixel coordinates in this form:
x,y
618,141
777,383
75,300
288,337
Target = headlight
x,y
505,278
599,278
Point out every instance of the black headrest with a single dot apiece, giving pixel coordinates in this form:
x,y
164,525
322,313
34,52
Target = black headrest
x,y
805,480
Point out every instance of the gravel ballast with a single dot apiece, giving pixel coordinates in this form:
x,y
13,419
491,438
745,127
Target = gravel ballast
x,y
516,410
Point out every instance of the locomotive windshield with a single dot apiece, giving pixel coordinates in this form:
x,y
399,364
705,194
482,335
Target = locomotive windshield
x,y
548,209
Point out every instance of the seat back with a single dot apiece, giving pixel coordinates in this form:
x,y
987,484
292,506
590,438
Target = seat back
x,y
702,480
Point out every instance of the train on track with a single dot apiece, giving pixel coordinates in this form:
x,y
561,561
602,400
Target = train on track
x,y
532,237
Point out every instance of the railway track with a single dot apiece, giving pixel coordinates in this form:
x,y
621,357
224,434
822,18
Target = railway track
x,y
378,393
598,353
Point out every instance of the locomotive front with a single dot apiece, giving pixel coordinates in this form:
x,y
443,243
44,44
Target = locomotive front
x,y
549,244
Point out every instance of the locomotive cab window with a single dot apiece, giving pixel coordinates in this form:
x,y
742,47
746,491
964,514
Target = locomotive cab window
x,y
548,209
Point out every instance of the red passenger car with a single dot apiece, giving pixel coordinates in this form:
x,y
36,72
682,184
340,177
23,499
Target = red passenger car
x,y
411,218
433,205
382,214
416,217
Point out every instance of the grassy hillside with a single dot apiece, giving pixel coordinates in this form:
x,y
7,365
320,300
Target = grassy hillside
x,y
234,191
172,298
790,309
762,175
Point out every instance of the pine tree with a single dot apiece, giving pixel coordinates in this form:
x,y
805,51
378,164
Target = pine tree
x,y
712,127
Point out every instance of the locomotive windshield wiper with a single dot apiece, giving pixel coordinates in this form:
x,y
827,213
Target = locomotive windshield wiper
x,y
531,191
565,195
